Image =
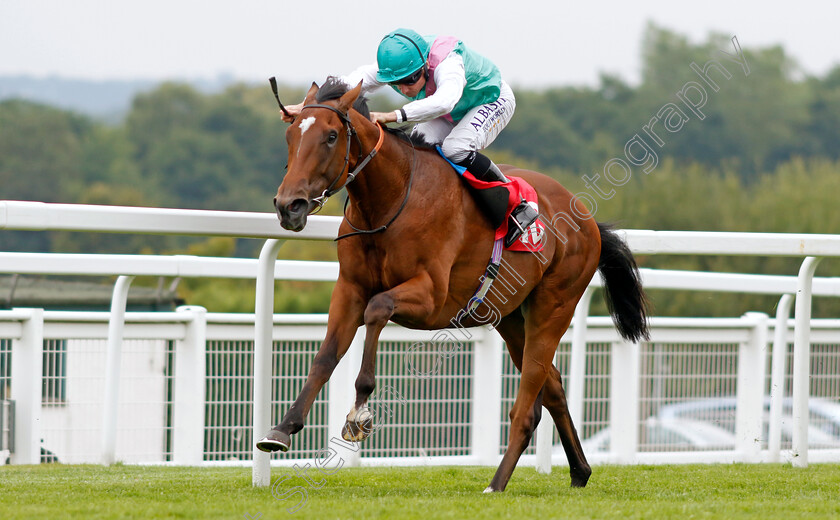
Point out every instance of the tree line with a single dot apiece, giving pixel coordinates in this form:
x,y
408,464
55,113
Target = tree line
x,y
764,156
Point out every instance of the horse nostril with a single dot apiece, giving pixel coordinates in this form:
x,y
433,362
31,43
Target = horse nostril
x,y
297,206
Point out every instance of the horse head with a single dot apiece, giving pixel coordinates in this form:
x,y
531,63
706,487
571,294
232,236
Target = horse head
x,y
319,153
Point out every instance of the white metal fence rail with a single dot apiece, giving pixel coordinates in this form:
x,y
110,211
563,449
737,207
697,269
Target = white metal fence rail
x,y
187,390
41,216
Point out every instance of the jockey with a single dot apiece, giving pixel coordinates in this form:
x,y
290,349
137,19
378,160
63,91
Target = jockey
x,y
458,100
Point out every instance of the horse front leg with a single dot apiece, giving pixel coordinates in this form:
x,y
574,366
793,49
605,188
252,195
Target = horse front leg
x,y
346,309
414,298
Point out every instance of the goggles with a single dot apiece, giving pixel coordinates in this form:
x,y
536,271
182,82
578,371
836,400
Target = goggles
x,y
410,80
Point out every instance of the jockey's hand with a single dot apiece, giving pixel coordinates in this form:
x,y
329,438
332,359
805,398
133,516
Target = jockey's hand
x,y
383,117
294,111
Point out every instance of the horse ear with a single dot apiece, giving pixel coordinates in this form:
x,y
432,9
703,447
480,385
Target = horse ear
x,y
346,101
310,96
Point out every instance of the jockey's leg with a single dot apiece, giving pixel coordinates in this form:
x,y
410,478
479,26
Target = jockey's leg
x,y
493,200
433,132
480,127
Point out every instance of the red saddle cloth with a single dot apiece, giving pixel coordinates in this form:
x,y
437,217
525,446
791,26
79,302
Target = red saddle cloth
x,y
518,189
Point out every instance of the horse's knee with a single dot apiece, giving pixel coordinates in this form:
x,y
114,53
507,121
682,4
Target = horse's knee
x,y
379,309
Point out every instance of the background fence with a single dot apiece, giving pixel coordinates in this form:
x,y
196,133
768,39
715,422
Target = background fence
x,y
687,381
637,376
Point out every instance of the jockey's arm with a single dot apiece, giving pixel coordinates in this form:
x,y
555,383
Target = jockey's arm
x,y
450,80
367,75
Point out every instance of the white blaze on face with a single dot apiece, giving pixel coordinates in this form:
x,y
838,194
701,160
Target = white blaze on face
x,y
305,124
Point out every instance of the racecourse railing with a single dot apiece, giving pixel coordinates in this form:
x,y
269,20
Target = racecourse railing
x,y
41,216
187,390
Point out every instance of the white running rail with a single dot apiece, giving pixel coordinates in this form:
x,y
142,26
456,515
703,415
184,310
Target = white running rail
x,y
38,216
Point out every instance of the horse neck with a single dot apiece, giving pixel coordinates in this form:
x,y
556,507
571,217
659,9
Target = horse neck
x,y
380,188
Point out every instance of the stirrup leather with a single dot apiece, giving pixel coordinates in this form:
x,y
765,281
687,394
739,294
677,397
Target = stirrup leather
x,y
522,217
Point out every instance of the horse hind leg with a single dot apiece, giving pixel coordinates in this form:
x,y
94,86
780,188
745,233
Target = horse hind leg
x,y
555,402
511,328
552,396
523,414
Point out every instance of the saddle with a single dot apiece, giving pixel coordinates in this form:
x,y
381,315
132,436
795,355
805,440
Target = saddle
x,y
499,201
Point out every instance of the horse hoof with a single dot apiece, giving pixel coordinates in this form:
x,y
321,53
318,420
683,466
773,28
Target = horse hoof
x,y
357,430
579,483
491,490
581,476
275,441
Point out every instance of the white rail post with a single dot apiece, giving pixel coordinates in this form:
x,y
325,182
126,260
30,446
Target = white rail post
x,y
486,397
752,363
263,328
116,325
577,359
625,365
342,397
545,434
777,378
802,360
27,373
190,378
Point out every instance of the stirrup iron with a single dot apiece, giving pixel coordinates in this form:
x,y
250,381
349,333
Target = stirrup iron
x,y
523,217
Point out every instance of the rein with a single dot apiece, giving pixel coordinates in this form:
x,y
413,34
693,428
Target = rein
x,y
331,190
357,231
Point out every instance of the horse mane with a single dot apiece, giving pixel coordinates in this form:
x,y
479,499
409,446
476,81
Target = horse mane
x,y
415,140
334,88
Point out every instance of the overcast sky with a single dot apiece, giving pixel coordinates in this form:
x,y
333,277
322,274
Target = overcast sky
x,y
535,42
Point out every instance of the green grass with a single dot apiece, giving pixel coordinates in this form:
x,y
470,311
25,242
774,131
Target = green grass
x,y
684,492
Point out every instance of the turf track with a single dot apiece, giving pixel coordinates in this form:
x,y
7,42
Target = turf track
x,y
684,492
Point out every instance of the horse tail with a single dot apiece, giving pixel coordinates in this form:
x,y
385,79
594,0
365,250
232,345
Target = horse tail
x,y
623,290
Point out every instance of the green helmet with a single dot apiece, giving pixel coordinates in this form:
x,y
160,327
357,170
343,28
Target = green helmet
x,y
401,53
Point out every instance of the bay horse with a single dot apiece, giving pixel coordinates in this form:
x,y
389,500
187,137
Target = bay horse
x,y
415,249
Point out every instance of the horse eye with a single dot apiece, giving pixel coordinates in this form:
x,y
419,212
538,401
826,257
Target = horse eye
x,y
332,137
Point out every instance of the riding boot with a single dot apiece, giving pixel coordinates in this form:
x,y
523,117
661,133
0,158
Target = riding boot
x,y
493,201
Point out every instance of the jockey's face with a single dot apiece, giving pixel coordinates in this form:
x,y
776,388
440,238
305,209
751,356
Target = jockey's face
x,y
414,88
411,90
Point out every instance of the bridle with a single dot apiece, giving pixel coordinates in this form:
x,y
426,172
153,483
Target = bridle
x,y
361,163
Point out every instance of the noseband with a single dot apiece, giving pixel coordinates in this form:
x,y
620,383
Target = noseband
x,y
360,163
